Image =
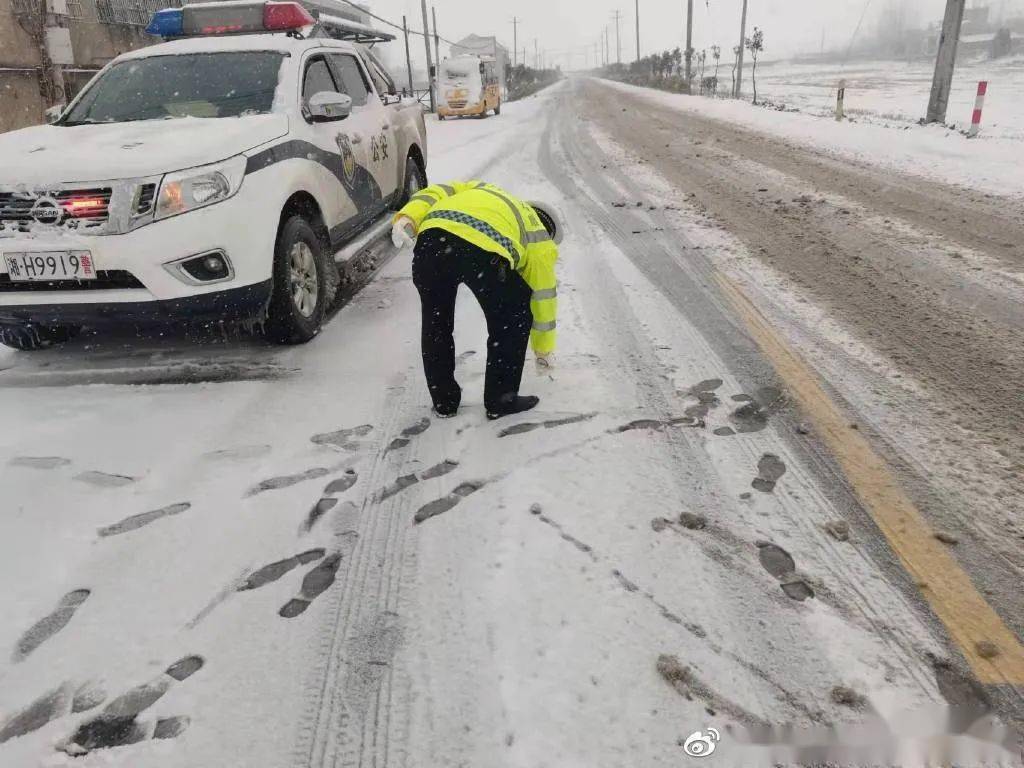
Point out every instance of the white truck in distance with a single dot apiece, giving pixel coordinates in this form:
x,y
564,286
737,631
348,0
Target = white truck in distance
x,y
224,174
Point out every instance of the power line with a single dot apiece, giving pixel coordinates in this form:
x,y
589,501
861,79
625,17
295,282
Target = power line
x,y
392,24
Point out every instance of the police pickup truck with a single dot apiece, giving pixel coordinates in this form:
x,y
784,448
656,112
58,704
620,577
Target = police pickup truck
x,y
224,174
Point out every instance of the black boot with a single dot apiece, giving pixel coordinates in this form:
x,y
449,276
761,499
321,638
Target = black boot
x,y
511,404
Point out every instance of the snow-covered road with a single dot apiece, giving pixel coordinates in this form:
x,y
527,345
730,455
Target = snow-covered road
x,y
235,555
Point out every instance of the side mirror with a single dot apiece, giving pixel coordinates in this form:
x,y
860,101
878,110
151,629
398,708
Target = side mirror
x,y
53,113
326,106
433,70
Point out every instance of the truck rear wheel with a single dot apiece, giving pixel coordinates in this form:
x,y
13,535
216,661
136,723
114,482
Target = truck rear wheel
x,y
299,300
497,109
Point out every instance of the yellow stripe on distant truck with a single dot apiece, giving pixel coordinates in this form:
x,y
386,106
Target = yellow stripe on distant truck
x,y
947,587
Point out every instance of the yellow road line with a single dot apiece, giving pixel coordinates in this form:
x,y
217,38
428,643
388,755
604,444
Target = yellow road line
x,y
948,589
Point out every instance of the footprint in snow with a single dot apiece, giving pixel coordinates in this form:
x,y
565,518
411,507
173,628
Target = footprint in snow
x,y
64,700
769,470
145,518
105,479
445,503
286,481
397,444
329,499
657,425
521,429
780,564
407,481
242,452
343,438
39,462
51,624
314,584
418,428
704,392
118,725
268,574
754,414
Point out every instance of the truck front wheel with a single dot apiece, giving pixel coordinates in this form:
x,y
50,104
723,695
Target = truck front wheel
x,y
415,180
299,300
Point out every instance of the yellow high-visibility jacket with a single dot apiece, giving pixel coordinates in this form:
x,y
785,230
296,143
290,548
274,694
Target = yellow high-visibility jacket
x,y
493,220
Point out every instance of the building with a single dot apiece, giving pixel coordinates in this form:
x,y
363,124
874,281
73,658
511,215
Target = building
x,y
49,49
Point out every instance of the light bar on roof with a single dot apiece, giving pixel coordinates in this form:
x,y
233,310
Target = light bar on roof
x,y
227,18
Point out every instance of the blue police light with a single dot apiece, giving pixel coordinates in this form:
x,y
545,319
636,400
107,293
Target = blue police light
x,y
167,23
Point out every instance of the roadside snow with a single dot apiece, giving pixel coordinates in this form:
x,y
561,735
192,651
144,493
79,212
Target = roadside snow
x,y
933,152
895,93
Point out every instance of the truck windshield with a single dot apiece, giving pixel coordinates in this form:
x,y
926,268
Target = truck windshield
x,y
229,84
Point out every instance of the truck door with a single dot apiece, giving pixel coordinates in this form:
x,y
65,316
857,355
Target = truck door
x,y
374,120
349,197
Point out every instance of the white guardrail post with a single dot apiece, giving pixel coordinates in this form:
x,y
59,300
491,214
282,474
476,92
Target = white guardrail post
x,y
840,98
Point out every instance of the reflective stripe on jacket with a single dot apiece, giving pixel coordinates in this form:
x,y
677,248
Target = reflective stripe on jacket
x,y
493,220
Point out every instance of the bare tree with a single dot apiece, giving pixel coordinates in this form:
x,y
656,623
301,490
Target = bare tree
x,y
755,45
716,54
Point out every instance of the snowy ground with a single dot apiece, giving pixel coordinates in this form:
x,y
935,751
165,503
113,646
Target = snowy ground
x,y
886,101
661,504
895,93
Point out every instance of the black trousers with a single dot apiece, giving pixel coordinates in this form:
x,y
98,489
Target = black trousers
x,y
442,261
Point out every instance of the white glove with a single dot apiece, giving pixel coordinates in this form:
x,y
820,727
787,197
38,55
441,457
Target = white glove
x,y
545,363
403,233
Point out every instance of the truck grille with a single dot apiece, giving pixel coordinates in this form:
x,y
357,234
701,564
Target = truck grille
x,y
457,104
106,280
74,208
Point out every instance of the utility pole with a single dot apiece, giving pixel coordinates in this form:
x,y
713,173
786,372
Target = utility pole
x,y
618,38
515,41
638,30
437,38
945,63
607,48
536,55
408,56
739,65
430,64
689,40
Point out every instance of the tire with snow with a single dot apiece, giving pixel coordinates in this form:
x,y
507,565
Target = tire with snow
x,y
415,180
497,109
31,338
300,297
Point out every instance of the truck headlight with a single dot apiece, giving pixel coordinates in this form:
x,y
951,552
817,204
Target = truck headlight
x,y
198,187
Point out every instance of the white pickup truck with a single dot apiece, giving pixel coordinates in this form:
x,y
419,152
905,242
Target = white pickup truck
x,y
224,174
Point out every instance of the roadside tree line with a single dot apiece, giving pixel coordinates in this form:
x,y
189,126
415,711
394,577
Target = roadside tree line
x,y
666,70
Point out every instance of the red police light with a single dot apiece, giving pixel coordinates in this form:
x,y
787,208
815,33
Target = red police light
x,y
278,16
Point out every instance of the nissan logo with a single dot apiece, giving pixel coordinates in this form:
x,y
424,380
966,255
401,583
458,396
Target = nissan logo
x,y
46,210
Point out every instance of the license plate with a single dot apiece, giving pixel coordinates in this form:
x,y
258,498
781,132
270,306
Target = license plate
x,y
50,265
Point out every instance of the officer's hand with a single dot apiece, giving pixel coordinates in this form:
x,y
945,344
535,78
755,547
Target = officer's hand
x,y
403,233
545,363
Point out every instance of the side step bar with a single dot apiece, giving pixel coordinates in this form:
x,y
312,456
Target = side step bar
x,y
365,240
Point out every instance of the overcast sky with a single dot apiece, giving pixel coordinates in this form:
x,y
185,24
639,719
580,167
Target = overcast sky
x,y
567,27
